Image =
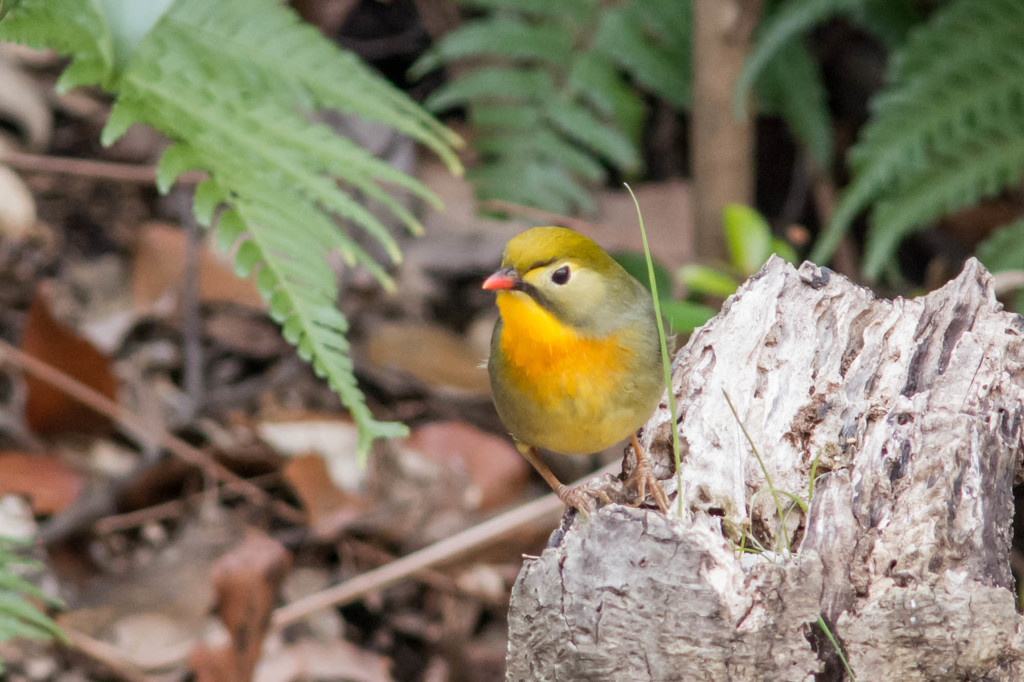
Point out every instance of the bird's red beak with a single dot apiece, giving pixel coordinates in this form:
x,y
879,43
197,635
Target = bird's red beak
x,y
506,278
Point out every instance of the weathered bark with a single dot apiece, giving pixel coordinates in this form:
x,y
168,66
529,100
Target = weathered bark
x,y
909,414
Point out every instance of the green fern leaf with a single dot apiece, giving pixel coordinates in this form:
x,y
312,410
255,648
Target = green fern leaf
x,y
779,29
129,22
578,123
493,84
531,182
512,117
983,170
654,47
235,84
595,78
71,27
544,146
264,45
551,146
500,36
1004,248
550,90
948,111
18,616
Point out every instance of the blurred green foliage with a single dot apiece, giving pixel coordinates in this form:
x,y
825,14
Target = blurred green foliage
x,y
750,243
20,615
946,131
557,93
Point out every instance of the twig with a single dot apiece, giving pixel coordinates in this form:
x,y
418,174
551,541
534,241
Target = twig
x,y
139,517
117,663
444,550
87,168
191,320
115,523
378,557
125,666
142,431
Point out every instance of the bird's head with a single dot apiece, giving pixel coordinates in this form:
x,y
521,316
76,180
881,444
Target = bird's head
x,y
568,275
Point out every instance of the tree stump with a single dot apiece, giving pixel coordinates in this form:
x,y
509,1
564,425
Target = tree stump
x,y
896,424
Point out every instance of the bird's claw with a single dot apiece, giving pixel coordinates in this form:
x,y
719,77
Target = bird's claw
x,y
642,479
583,498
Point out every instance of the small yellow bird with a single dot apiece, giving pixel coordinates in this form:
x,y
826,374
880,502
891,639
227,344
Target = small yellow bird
x,y
575,362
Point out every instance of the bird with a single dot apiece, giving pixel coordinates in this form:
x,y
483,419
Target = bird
x,y
575,357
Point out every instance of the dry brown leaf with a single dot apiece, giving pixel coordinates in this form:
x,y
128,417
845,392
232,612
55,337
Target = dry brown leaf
x,y
160,266
48,483
247,581
328,508
431,354
492,463
49,410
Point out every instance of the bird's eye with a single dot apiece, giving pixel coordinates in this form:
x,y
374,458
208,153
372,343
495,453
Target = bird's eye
x,y
561,275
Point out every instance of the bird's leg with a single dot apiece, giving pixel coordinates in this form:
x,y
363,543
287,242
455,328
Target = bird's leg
x,y
579,497
643,478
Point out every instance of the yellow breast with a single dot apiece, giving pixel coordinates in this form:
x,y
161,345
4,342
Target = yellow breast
x,y
548,360
563,391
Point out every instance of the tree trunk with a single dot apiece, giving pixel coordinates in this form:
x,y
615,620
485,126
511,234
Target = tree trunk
x,y
897,424
723,144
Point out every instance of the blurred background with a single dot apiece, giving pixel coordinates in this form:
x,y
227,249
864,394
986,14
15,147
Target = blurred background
x,y
173,467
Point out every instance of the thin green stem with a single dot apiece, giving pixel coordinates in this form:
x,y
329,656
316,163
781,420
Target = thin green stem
x,y
764,471
666,362
835,645
814,472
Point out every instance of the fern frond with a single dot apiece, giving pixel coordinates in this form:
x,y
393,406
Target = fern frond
x,y
984,169
652,41
599,82
235,84
780,28
954,92
500,36
512,117
18,616
535,184
493,84
578,123
294,62
544,145
1004,248
563,73
70,27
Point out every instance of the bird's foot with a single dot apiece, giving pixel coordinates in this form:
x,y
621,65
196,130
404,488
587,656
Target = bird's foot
x,y
642,479
583,498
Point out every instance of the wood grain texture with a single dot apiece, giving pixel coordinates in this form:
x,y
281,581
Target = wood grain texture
x,y
911,410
